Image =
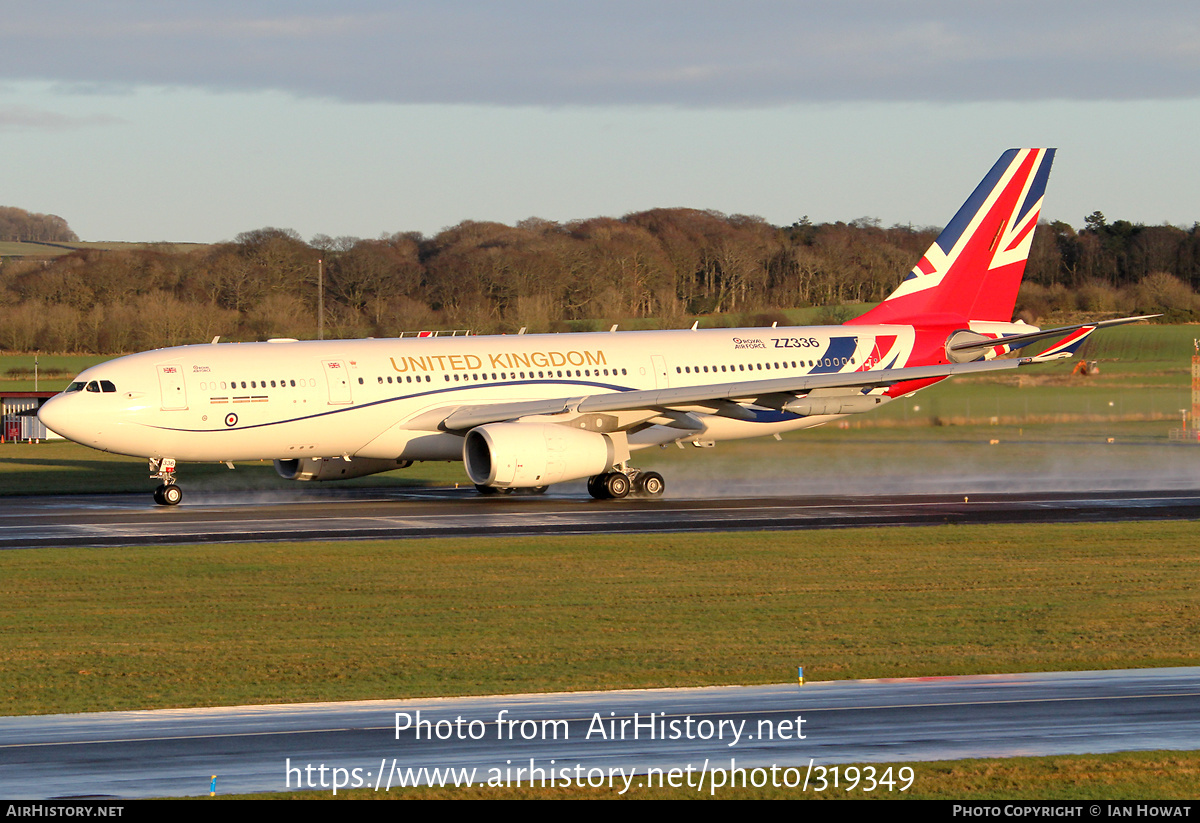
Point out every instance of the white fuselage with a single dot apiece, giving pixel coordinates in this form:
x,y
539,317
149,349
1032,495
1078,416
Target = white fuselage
x,y
384,398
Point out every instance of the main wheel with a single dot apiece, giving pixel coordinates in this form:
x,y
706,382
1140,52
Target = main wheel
x,y
171,495
158,498
595,487
616,485
651,484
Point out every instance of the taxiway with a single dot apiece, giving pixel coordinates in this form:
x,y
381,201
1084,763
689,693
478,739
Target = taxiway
x,y
269,748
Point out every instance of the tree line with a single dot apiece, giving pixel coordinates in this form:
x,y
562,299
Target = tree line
x,y
17,225
660,267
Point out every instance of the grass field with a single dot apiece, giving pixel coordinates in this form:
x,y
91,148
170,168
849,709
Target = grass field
x,y
14,248
155,627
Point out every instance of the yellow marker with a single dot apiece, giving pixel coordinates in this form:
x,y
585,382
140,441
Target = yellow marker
x,y
800,675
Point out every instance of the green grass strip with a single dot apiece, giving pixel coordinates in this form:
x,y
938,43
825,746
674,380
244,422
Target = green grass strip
x,y
156,627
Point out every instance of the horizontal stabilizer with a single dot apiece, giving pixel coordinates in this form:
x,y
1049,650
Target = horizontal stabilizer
x,y
1017,341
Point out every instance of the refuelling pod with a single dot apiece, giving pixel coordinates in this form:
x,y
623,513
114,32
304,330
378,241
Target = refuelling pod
x,y
525,455
335,468
835,403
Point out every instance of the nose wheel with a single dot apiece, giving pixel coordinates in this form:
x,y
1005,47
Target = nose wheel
x,y
168,494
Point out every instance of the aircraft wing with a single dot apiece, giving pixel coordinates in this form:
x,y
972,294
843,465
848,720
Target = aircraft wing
x,y
722,395
780,393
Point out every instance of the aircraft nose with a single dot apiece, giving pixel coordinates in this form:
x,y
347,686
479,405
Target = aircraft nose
x,y
53,416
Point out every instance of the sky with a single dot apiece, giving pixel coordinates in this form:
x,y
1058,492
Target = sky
x,y
195,121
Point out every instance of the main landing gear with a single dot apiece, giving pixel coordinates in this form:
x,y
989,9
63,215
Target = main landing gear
x,y
616,484
167,494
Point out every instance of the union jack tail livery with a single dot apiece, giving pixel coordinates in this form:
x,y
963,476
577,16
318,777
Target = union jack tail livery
x,y
973,270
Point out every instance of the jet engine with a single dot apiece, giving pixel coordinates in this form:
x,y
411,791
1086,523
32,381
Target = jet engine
x,y
525,455
335,468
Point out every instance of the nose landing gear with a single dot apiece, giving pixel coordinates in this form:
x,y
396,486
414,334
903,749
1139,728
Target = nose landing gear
x,y
167,494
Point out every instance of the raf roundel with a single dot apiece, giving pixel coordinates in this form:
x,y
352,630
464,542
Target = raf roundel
x,y
231,419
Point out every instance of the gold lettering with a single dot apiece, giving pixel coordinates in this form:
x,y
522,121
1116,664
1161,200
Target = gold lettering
x,y
473,362
575,358
598,360
539,359
518,360
557,359
397,368
456,362
497,361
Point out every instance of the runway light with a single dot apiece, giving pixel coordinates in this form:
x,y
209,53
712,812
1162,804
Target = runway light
x,y
800,675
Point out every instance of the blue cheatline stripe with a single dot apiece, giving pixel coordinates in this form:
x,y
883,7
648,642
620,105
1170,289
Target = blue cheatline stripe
x,y
773,416
1039,184
358,406
840,349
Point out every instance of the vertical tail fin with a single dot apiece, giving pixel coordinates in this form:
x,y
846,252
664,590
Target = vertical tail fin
x,y
973,270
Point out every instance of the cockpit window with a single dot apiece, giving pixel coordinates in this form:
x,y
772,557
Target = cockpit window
x,y
94,385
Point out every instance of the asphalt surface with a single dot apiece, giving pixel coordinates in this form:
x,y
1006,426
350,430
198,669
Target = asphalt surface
x,y
343,514
706,734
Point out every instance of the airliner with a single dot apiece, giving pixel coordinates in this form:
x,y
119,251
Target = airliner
x,y
525,411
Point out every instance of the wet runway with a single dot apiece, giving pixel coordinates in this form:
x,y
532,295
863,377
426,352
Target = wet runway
x,y
706,734
317,514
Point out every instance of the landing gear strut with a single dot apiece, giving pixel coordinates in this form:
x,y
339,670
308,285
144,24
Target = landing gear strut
x,y
617,484
167,494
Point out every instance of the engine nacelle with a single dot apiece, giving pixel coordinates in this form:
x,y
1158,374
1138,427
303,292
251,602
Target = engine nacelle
x,y
335,468
524,455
